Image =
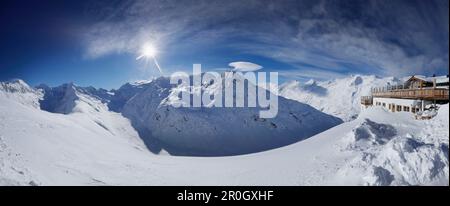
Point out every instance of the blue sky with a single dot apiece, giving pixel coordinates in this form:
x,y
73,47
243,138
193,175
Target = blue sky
x,y
97,42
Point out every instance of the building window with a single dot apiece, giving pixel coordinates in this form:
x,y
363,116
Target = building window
x,y
442,84
384,104
399,108
406,109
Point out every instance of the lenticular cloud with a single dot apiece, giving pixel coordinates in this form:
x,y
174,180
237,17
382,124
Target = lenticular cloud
x,y
244,66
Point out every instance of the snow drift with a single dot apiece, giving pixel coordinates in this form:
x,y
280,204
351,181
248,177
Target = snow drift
x,y
400,152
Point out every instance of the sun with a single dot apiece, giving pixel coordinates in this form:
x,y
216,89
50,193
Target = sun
x,y
148,51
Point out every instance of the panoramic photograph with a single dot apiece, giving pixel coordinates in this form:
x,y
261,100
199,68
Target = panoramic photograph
x,y
224,93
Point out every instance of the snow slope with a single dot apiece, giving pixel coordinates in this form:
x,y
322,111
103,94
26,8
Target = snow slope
x,y
95,147
207,131
395,149
125,93
20,92
64,99
217,131
35,140
339,97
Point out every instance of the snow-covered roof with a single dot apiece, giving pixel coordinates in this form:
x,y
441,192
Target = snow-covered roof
x,y
441,79
430,79
421,77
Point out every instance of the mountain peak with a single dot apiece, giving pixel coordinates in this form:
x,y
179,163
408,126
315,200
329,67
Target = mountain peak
x,y
140,82
310,82
15,85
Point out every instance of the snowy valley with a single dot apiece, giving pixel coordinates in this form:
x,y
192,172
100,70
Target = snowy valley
x,y
71,135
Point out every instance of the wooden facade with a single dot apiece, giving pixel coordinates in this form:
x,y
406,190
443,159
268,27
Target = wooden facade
x,y
418,83
414,88
421,94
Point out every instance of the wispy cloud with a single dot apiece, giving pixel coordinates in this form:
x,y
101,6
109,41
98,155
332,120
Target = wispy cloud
x,y
320,38
311,73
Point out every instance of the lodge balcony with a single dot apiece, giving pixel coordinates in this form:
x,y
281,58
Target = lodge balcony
x,y
427,93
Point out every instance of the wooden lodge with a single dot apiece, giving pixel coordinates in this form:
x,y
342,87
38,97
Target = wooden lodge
x,y
420,88
416,94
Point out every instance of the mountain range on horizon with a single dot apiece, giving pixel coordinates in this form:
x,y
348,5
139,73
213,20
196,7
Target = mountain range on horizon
x,y
80,138
164,127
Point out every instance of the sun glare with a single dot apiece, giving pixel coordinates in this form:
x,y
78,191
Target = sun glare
x,y
148,50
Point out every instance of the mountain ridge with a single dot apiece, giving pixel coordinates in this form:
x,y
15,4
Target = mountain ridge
x,y
206,131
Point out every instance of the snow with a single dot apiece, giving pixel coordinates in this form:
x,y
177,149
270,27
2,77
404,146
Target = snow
x,y
125,93
59,99
398,150
439,79
41,147
94,146
21,92
215,131
339,97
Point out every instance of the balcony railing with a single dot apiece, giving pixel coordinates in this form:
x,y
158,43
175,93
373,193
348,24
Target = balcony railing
x,y
420,93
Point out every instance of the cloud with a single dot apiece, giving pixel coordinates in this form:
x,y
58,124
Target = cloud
x,y
167,23
311,73
325,37
244,66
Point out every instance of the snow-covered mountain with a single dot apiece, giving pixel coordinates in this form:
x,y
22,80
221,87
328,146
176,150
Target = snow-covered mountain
x,y
93,146
212,131
64,99
21,92
338,97
125,93
206,131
